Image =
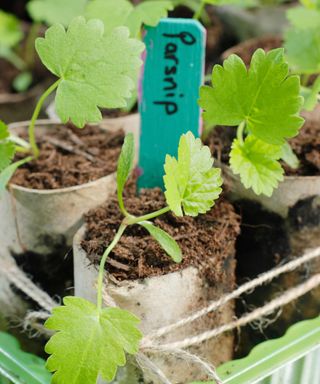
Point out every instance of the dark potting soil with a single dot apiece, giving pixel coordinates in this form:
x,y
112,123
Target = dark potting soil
x,y
246,49
306,146
207,241
92,153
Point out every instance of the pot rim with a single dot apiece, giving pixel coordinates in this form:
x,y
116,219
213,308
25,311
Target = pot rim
x,y
15,187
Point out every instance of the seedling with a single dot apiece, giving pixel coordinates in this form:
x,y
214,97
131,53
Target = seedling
x,y
264,103
93,70
91,340
302,44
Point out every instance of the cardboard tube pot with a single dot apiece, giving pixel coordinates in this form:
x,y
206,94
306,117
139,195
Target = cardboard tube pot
x,y
43,221
159,301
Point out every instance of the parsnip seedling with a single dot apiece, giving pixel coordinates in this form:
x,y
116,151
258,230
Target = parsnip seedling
x,y
93,71
91,341
264,103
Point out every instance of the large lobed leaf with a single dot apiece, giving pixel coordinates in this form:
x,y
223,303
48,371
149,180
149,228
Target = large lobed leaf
x,y
257,164
95,70
88,344
192,184
265,96
55,11
115,13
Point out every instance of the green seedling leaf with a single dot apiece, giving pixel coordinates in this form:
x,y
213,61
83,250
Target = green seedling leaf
x,y
10,30
89,344
18,366
125,165
115,13
265,96
303,49
170,246
311,95
304,18
22,82
55,11
192,185
7,148
94,70
289,157
7,173
257,164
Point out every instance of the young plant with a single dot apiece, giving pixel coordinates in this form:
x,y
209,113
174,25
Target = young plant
x,y
91,340
115,13
94,70
264,103
11,36
302,44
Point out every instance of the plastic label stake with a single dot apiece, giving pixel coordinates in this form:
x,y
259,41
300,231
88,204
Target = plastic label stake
x,y
173,73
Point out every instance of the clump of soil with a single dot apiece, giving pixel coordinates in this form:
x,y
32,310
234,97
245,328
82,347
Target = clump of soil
x,y
306,145
207,241
246,49
70,156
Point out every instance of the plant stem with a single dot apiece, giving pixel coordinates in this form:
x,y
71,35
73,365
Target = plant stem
x,y
198,14
114,242
240,130
32,138
134,220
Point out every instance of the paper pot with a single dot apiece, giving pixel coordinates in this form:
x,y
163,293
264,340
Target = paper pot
x,y
43,221
160,301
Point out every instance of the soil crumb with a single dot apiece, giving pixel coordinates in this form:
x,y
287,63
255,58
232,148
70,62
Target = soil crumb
x,y
92,153
207,241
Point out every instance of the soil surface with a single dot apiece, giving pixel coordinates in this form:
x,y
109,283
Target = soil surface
x,y
70,156
306,146
206,241
246,49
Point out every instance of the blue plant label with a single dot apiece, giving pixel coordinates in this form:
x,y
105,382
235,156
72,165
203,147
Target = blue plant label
x,y
172,75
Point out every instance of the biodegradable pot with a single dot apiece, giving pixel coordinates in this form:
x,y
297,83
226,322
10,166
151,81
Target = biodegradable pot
x,y
44,221
248,23
159,301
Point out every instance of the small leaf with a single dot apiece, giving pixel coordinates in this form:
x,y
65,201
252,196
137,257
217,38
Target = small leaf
x,y
256,163
115,13
55,11
192,185
265,96
7,173
10,30
89,344
165,240
95,70
125,164
22,82
311,95
7,148
19,366
289,157
4,131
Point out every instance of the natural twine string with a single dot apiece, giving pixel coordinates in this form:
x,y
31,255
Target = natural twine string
x,y
247,287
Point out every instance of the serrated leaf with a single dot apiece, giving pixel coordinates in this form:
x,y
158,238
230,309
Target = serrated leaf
x,y
256,163
125,165
303,49
289,157
311,95
170,246
265,96
7,173
115,13
19,366
88,344
55,11
7,151
95,70
192,185
10,30
4,131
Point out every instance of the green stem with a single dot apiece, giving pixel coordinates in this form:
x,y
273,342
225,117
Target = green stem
x,y
29,52
103,262
14,59
32,136
22,149
134,220
198,14
240,131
